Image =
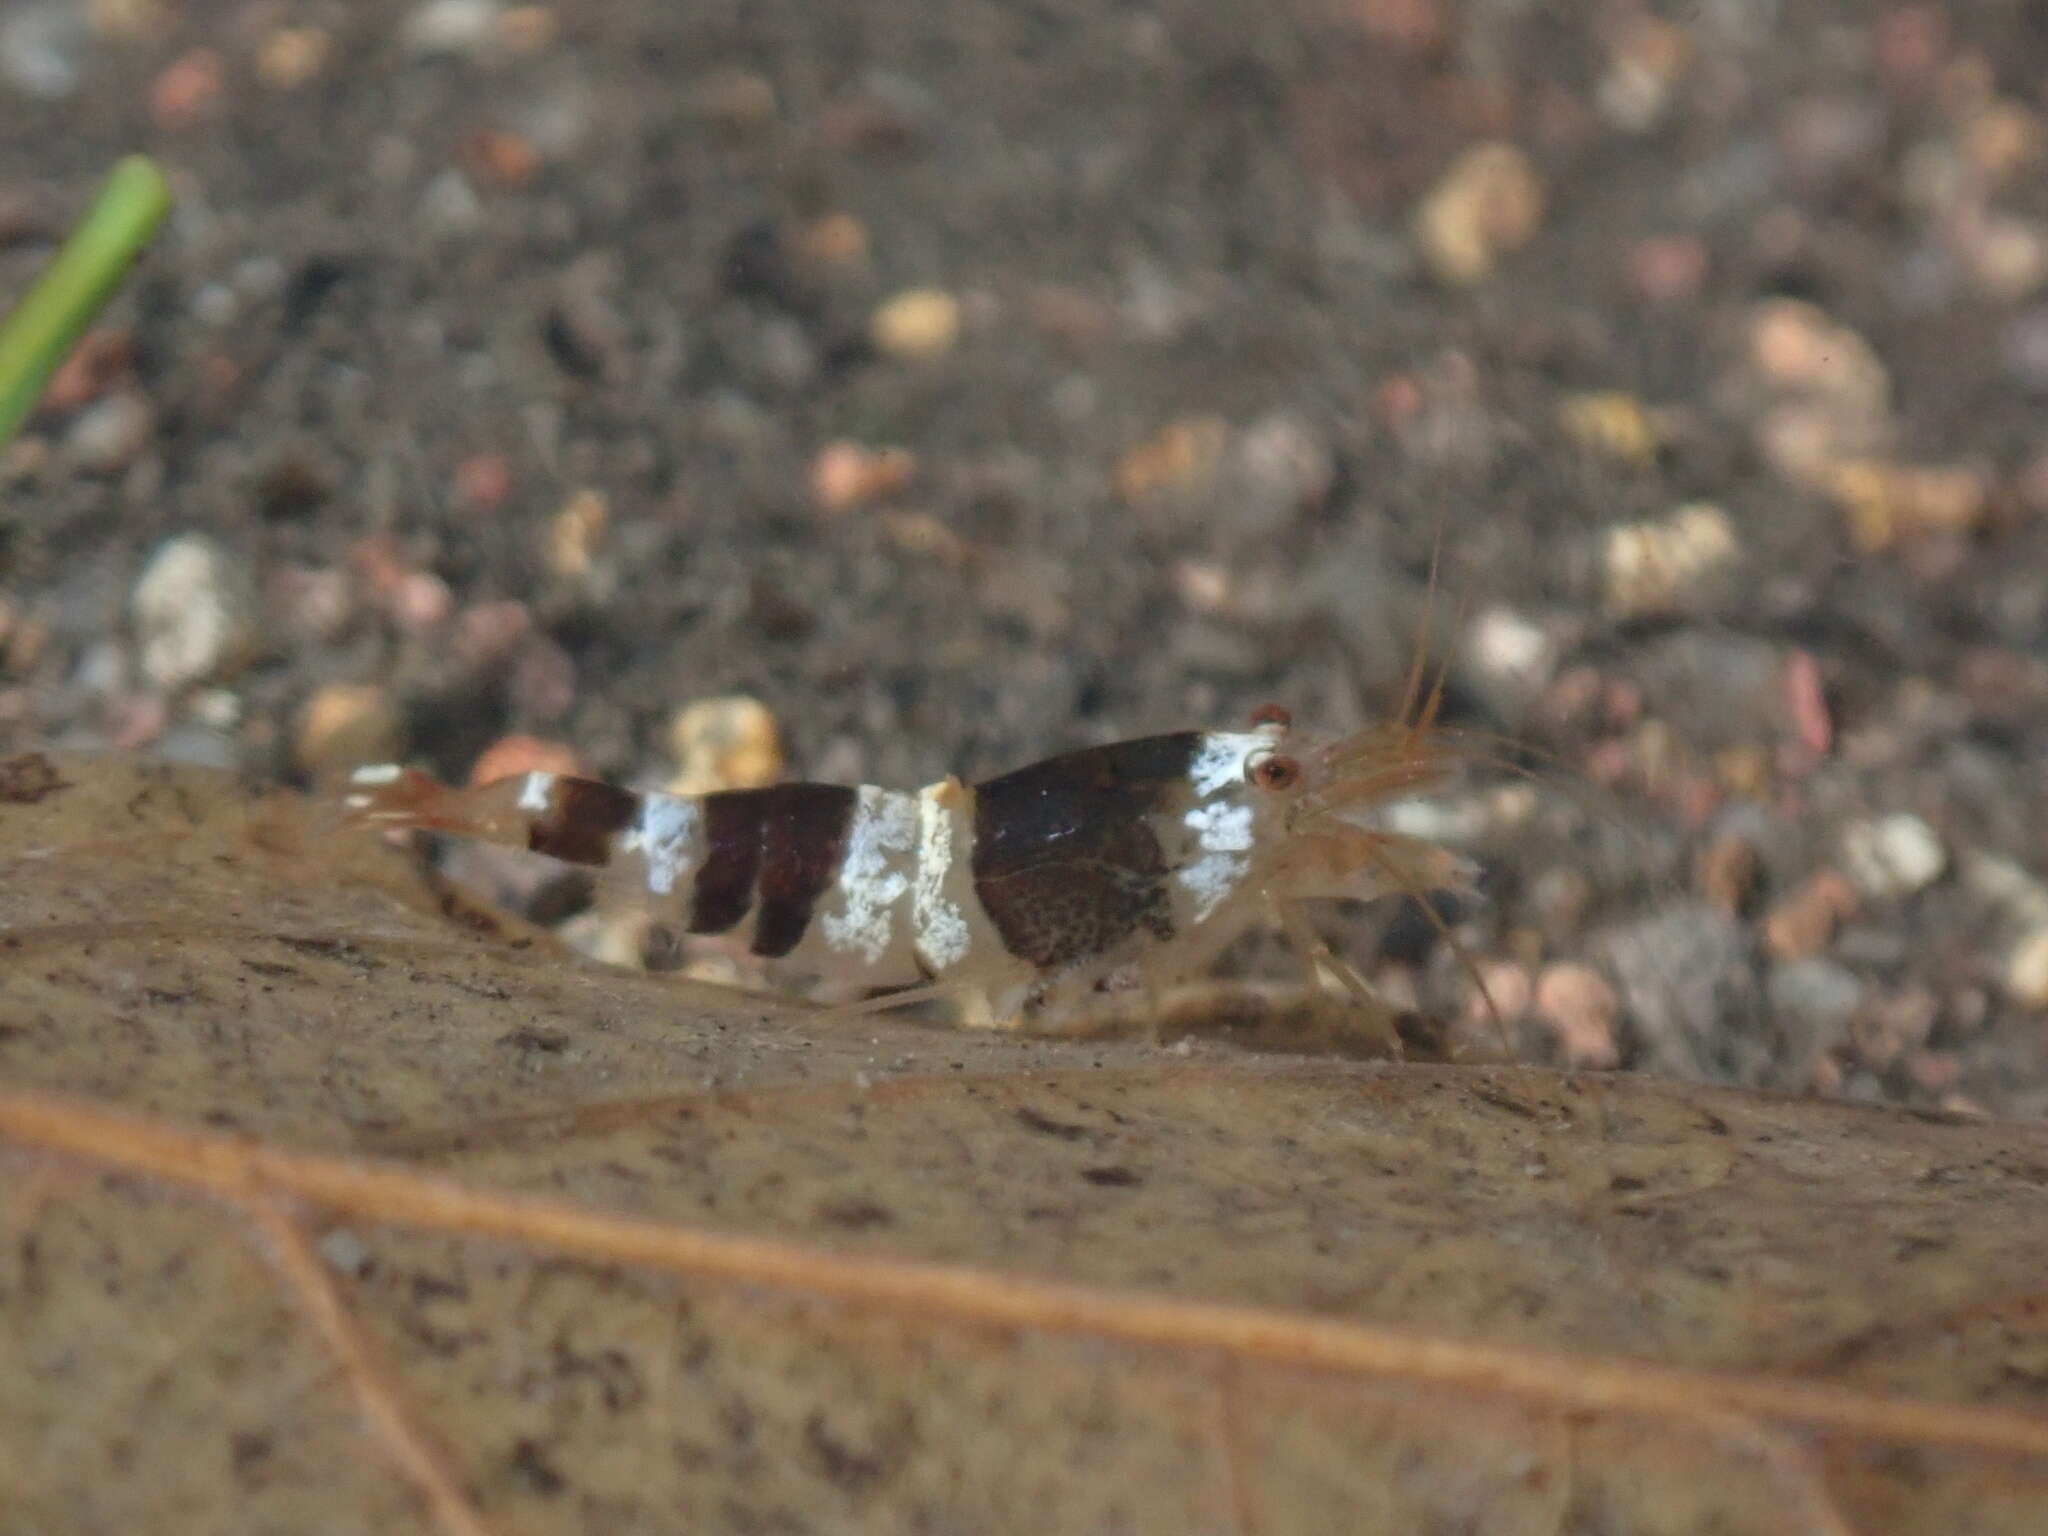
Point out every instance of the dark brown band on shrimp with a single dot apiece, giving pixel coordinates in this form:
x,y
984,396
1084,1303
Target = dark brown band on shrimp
x,y
579,820
803,840
1066,863
776,848
724,887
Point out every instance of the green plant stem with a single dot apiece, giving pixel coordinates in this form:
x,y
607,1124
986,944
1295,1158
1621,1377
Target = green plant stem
x,y
77,283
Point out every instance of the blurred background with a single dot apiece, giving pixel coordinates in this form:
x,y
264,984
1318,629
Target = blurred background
x,y
701,394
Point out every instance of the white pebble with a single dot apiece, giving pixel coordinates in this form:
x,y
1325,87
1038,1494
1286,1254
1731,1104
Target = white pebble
x,y
109,433
1675,564
1509,649
1891,856
2026,970
193,608
451,26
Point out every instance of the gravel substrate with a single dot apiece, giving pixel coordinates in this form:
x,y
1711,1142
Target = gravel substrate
x,y
968,382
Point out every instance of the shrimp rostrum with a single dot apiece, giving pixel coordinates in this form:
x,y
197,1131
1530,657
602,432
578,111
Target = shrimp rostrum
x,y
1021,899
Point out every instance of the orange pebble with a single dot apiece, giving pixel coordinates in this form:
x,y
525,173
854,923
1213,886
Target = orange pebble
x,y
185,88
510,756
483,481
846,475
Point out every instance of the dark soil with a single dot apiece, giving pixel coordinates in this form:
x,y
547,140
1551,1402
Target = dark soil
x,y
412,304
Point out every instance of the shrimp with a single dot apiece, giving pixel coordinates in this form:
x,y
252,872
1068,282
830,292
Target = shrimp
x,y
1019,899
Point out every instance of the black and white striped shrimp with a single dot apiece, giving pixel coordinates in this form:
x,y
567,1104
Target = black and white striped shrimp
x,y
1018,898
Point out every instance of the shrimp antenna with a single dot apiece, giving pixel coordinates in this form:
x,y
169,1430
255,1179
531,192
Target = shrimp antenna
x,y
1418,647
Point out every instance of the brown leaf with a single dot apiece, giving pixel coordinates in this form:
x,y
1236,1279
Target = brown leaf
x,y
325,1212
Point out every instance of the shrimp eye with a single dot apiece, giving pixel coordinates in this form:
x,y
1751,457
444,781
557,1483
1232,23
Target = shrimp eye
x,y
1272,714
1270,770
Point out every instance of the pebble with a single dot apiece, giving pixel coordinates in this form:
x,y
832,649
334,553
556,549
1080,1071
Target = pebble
x,y
1896,1025
1687,973
916,325
542,683
1511,654
487,633
1910,42
41,48
215,709
1669,268
1892,856
26,641
511,756
502,159
1560,896
1677,563
291,56
1256,480
1507,986
2026,970
1932,178
724,743
1486,206
1204,586
1276,469
108,434
1180,459
1743,771
922,535
2002,139
847,475
1806,703
1797,347
1830,392
835,240
310,603
194,609
1647,59
346,724
528,28
1613,424
1804,923
1813,1000
2007,256
1582,1009
1884,503
1731,873
1071,317
186,88
418,600
483,481
88,370
1803,439
451,26
2010,887
449,205
576,533
737,98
